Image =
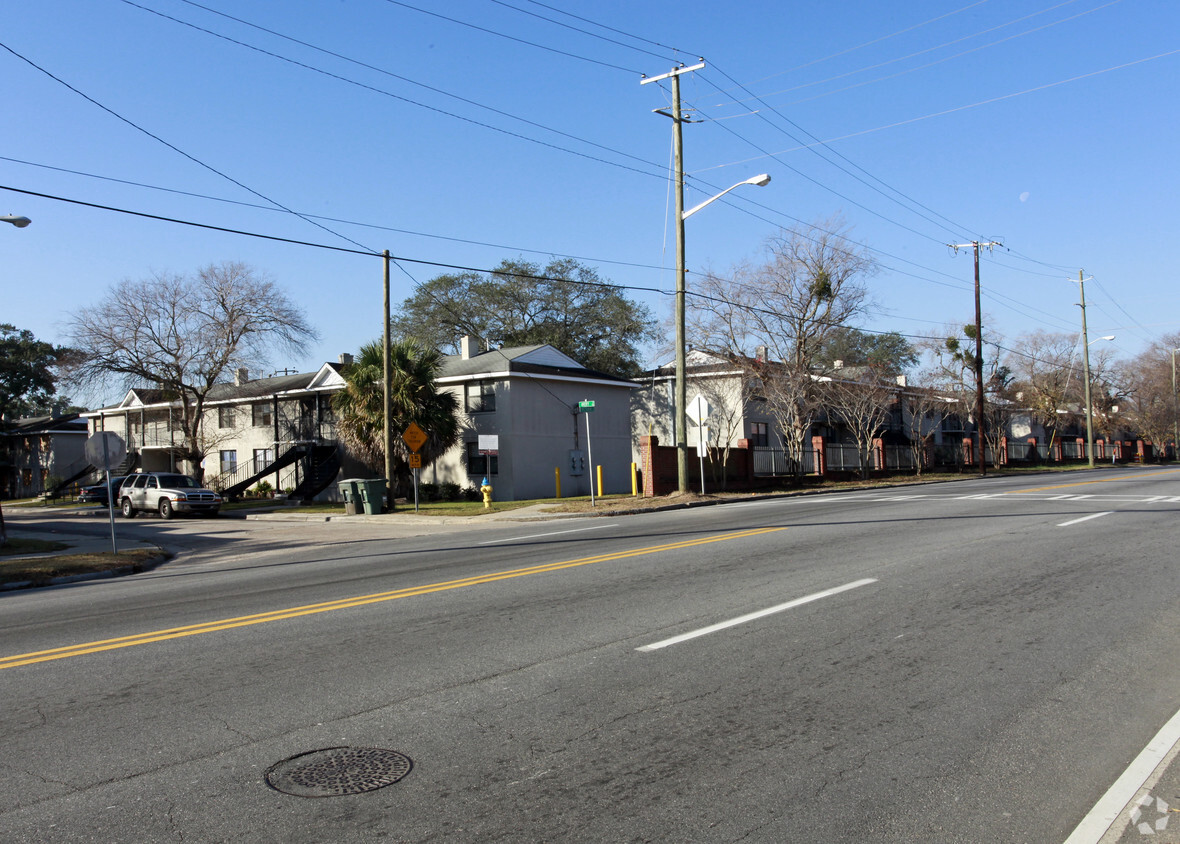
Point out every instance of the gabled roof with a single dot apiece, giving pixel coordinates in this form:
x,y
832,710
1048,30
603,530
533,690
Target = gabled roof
x,y
541,359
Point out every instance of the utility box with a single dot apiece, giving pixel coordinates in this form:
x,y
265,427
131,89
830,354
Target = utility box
x,y
350,492
372,494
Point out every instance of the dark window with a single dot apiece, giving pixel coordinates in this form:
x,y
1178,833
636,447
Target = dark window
x,y
262,414
225,417
229,461
759,434
263,457
480,397
477,464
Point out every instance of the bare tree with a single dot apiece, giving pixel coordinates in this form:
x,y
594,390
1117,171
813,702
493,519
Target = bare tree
x,y
184,334
923,409
1047,375
772,318
1150,405
860,400
953,372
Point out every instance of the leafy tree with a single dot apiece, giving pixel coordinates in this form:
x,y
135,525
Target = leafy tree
x,y
184,334
28,378
774,318
564,303
415,397
888,353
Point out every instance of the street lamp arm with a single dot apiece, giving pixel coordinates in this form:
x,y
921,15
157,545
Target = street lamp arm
x,y
756,180
19,222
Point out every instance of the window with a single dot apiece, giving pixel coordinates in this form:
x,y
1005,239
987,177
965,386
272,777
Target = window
x,y
263,457
759,434
229,461
477,464
480,397
262,415
225,417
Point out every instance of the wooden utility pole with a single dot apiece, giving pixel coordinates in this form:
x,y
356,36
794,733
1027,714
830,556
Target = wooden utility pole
x,y
681,393
388,382
975,244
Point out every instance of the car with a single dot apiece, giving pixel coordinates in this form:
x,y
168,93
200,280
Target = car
x,y
166,493
100,493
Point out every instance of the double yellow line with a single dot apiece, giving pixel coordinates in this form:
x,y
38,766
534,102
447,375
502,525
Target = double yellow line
x,y
347,603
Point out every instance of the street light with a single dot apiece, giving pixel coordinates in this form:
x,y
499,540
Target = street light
x,y
20,223
681,419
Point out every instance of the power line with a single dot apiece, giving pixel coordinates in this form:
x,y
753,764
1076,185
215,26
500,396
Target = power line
x,y
173,147
511,37
390,94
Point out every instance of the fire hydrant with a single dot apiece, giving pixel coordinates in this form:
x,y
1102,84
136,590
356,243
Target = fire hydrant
x,y
486,489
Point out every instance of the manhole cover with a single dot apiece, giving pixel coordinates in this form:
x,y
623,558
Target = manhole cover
x,y
337,771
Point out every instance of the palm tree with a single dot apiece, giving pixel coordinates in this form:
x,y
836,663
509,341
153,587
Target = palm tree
x,y
414,398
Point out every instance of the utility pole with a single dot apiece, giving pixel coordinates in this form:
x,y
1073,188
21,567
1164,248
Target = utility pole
x,y
387,377
1175,412
975,244
680,416
1086,372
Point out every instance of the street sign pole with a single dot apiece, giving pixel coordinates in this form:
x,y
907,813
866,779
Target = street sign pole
x,y
590,456
106,463
701,449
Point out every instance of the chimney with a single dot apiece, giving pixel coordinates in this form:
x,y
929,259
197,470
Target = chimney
x,y
760,354
345,358
466,347
837,364
241,376
901,381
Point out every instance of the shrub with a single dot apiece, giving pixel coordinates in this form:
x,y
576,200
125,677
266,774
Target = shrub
x,y
450,492
472,494
429,492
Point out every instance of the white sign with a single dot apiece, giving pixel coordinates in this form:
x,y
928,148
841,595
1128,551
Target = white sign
x,y
698,409
489,443
105,450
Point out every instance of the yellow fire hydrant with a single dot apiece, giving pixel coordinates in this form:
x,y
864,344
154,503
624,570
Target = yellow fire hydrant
x,y
486,489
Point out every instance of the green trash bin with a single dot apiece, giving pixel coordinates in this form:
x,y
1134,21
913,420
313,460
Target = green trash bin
x,y
372,495
350,492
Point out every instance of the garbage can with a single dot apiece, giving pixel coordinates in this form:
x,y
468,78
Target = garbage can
x,y
351,494
372,495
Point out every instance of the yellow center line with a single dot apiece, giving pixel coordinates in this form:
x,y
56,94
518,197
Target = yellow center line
x,y
1083,483
348,603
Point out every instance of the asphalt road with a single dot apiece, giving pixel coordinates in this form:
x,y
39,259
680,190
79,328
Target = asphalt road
x,y
975,661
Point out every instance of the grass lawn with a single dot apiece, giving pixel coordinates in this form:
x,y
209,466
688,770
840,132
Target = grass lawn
x,y
19,563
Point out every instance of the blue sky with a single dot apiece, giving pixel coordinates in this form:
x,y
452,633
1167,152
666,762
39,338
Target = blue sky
x,y
467,132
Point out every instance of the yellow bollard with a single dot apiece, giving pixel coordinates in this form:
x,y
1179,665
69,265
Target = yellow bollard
x,y
634,480
599,481
557,479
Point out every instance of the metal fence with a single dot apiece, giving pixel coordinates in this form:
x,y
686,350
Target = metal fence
x,y
773,462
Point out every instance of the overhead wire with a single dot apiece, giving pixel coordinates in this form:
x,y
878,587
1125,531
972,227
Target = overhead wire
x,y
390,94
511,37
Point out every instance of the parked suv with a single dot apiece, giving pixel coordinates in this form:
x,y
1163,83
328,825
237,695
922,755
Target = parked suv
x,y
166,493
100,493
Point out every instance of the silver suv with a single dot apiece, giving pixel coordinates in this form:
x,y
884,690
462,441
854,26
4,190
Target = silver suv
x,y
166,493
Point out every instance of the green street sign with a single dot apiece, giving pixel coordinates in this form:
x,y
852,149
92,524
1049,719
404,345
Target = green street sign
x,y
585,406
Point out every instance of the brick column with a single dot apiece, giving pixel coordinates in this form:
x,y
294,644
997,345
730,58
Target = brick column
x,y
817,447
879,454
647,445
968,451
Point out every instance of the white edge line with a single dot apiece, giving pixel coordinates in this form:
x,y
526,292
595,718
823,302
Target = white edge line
x,y
540,535
1085,518
733,622
1107,810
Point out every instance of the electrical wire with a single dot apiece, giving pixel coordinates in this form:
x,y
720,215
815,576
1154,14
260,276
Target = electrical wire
x,y
390,94
511,37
